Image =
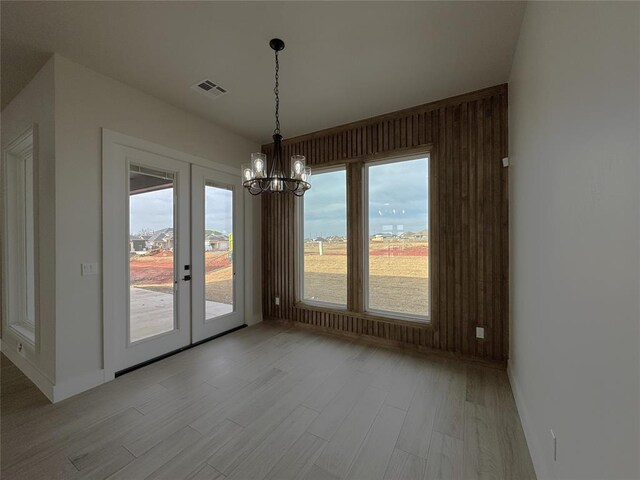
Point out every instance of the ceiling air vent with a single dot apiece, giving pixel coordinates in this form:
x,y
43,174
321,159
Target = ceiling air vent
x,y
208,88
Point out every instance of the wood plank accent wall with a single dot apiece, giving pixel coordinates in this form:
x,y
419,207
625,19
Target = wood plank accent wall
x,y
467,138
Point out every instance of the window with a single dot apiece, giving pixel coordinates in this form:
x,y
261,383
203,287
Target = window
x,y
397,237
324,239
218,250
151,258
20,228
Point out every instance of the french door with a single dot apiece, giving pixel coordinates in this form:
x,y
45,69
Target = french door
x,y
216,252
182,263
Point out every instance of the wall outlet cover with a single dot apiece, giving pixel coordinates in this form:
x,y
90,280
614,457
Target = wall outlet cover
x,y
89,269
479,332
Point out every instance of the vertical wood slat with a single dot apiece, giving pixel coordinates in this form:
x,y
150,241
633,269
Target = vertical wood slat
x,y
355,238
468,223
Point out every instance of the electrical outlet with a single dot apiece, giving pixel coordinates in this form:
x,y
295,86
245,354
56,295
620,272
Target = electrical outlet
x,y
555,446
89,269
277,300
480,332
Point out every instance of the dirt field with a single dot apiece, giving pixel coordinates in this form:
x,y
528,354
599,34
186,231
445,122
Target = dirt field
x,y
398,275
155,272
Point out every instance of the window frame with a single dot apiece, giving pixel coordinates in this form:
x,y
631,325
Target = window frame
x,y
299,274
355,167
364,252
23,149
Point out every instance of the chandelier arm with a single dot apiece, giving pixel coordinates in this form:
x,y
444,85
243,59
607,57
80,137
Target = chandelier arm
x,y
276,165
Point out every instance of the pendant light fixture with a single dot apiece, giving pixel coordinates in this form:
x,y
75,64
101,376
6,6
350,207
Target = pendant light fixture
x,y
258,177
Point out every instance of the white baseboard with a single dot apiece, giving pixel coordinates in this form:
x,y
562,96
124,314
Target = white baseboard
x,y
534,448
45,385
254,319
76,385
54,392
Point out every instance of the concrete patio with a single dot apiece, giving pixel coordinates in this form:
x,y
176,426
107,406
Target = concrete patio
x,y
152,312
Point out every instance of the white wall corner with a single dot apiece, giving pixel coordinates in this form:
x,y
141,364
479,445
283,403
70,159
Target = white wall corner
x,y
45,385
73,386
525,419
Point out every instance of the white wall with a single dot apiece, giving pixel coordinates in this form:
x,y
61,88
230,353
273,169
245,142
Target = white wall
x,y
87,101
35,105
575,230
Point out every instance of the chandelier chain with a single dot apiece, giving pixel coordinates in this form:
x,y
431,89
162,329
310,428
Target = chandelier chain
x,y
257,177
276,90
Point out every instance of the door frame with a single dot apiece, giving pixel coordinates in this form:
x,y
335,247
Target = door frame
x,y
112,214
201,327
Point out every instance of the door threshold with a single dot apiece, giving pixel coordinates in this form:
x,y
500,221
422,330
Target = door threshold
x,y
173,352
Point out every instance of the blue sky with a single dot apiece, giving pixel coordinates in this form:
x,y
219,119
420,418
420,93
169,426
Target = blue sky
x,y
154,210
398,194
151,210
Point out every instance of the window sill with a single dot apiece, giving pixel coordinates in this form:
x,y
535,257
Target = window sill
x,y
25,331
377,317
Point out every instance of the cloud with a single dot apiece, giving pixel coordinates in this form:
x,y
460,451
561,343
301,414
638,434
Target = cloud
x,y
218,209
325,205
398,195
151,210
154,210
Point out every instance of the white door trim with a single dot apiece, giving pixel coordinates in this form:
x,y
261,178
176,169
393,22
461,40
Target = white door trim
x,y
203,328
112,214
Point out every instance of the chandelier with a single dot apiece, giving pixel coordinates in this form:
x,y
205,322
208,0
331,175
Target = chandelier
x,y
257,177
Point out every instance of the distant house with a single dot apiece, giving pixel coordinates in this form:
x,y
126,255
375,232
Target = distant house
x,y
415,236
381,237
137,243
161,239
217,242
336,239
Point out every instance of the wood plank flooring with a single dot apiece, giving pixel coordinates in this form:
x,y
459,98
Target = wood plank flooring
x,y
272,402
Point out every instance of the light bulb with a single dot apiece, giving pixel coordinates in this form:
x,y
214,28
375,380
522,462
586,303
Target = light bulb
x,y
276,185
297,166
247,173
258,162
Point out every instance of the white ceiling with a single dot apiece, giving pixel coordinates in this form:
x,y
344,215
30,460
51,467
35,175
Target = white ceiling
x,y
343,61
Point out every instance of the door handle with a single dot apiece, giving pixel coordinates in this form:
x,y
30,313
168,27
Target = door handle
x,y
186,278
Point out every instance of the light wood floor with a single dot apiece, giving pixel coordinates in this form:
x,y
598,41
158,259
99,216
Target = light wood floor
x,y
269,402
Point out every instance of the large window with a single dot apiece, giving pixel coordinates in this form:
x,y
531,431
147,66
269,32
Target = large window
x,y
389,264
324,239
20,246
397,235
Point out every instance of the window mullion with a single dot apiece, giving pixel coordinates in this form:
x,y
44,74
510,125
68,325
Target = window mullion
x,y
355,238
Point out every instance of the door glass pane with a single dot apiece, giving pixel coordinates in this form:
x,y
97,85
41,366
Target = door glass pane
x,y
151,253
324,237
218,250
398,255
